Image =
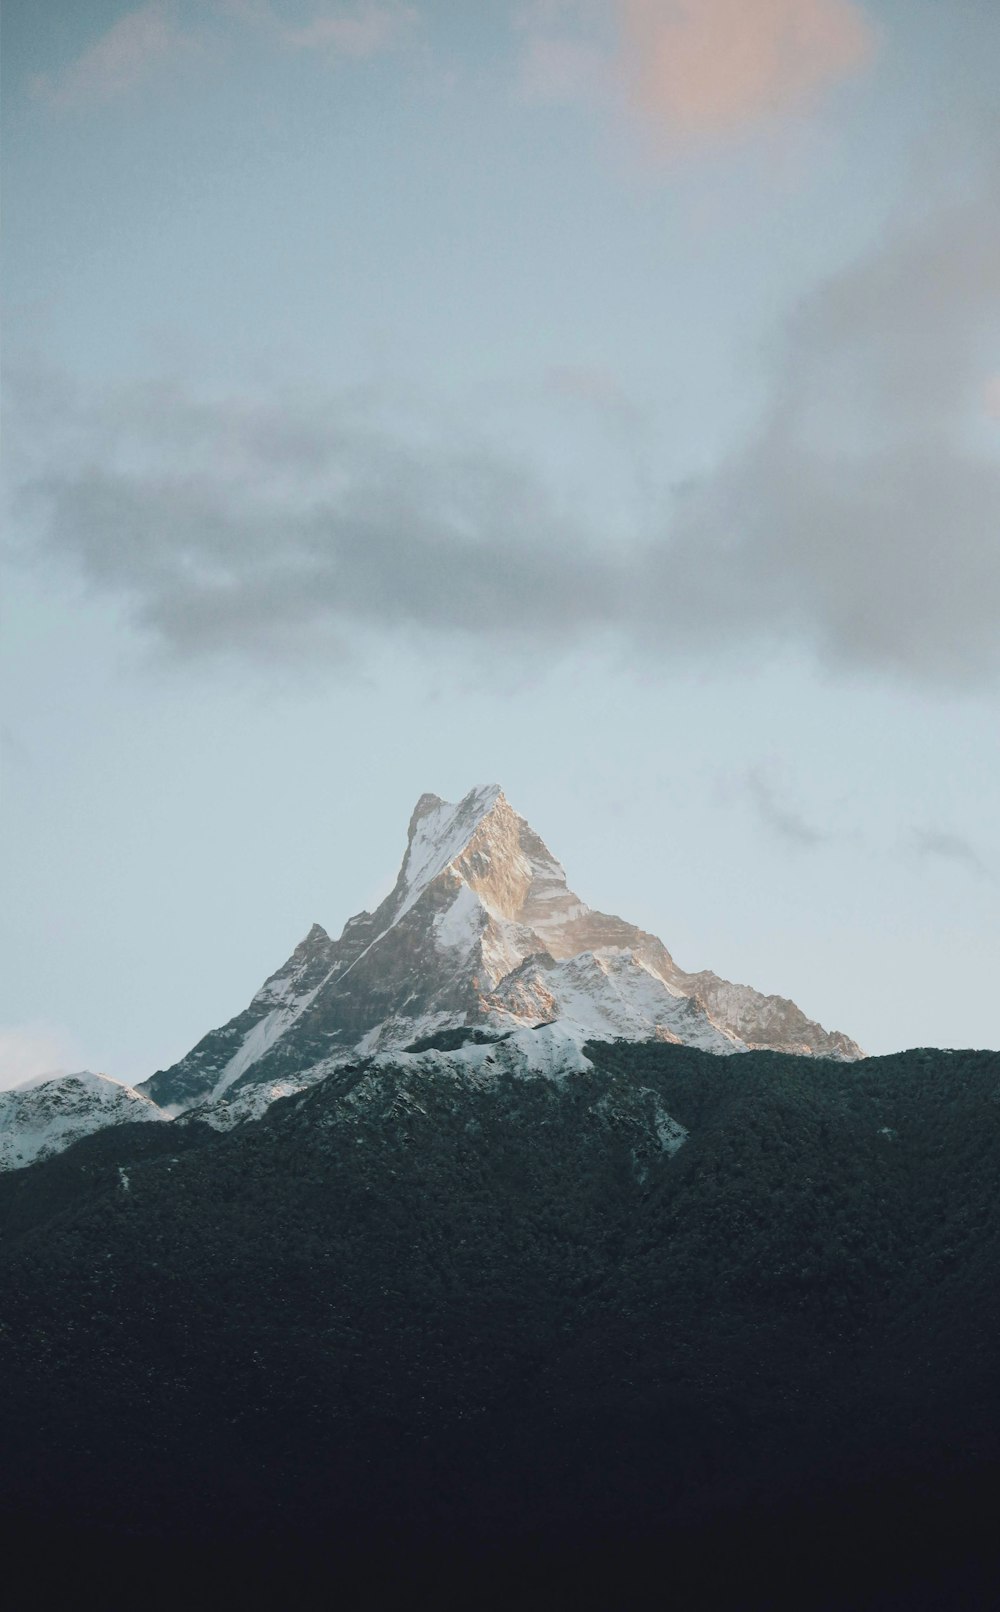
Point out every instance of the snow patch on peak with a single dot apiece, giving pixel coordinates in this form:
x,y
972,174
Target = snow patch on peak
x,y
459,927
82,1077
605,994
35,1081
549,1052
260,1039
438,834
250,1102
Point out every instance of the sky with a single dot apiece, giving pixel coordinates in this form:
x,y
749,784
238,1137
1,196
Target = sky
x,y
597,397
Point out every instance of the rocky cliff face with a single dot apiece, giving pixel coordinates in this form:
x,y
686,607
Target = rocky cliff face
x,y
480,929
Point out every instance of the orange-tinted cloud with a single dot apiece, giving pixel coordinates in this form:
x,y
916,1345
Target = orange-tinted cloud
x,y
703,68
692,70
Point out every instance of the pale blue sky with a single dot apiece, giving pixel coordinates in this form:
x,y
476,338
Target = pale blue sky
x,y
404,397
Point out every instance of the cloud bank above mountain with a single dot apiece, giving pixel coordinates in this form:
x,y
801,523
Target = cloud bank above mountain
x,y
857,520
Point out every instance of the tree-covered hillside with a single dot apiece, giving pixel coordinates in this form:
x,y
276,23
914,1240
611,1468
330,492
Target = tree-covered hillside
x,y
528,1336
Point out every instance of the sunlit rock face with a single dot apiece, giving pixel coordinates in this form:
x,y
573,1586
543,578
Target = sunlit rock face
x,y
480,929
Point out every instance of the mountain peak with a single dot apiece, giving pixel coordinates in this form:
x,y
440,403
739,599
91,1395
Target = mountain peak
x,y
439,832
478,801
480,929
426,803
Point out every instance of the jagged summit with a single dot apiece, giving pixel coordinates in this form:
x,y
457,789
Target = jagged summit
x,y
438,833
479,929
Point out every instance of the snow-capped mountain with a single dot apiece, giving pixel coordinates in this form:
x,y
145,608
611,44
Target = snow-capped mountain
x,y
44,1115
480,929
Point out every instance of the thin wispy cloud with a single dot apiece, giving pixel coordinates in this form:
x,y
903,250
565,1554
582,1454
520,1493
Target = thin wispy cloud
x,y
119,63
773,801
157,37
30,1050
355,30
779,815
943,845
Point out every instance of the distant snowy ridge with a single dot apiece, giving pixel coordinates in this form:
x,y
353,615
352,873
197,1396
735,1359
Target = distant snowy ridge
x,y
480,928
43,1116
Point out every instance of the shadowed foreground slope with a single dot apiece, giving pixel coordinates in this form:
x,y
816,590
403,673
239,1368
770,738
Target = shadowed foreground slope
x,y
524,1341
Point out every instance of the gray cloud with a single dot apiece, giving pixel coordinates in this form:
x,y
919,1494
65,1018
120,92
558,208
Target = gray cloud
x,y
937,844
864,516
779,816
274,529
862,520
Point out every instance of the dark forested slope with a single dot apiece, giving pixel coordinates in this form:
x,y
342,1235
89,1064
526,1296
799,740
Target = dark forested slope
x,y
452,1324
